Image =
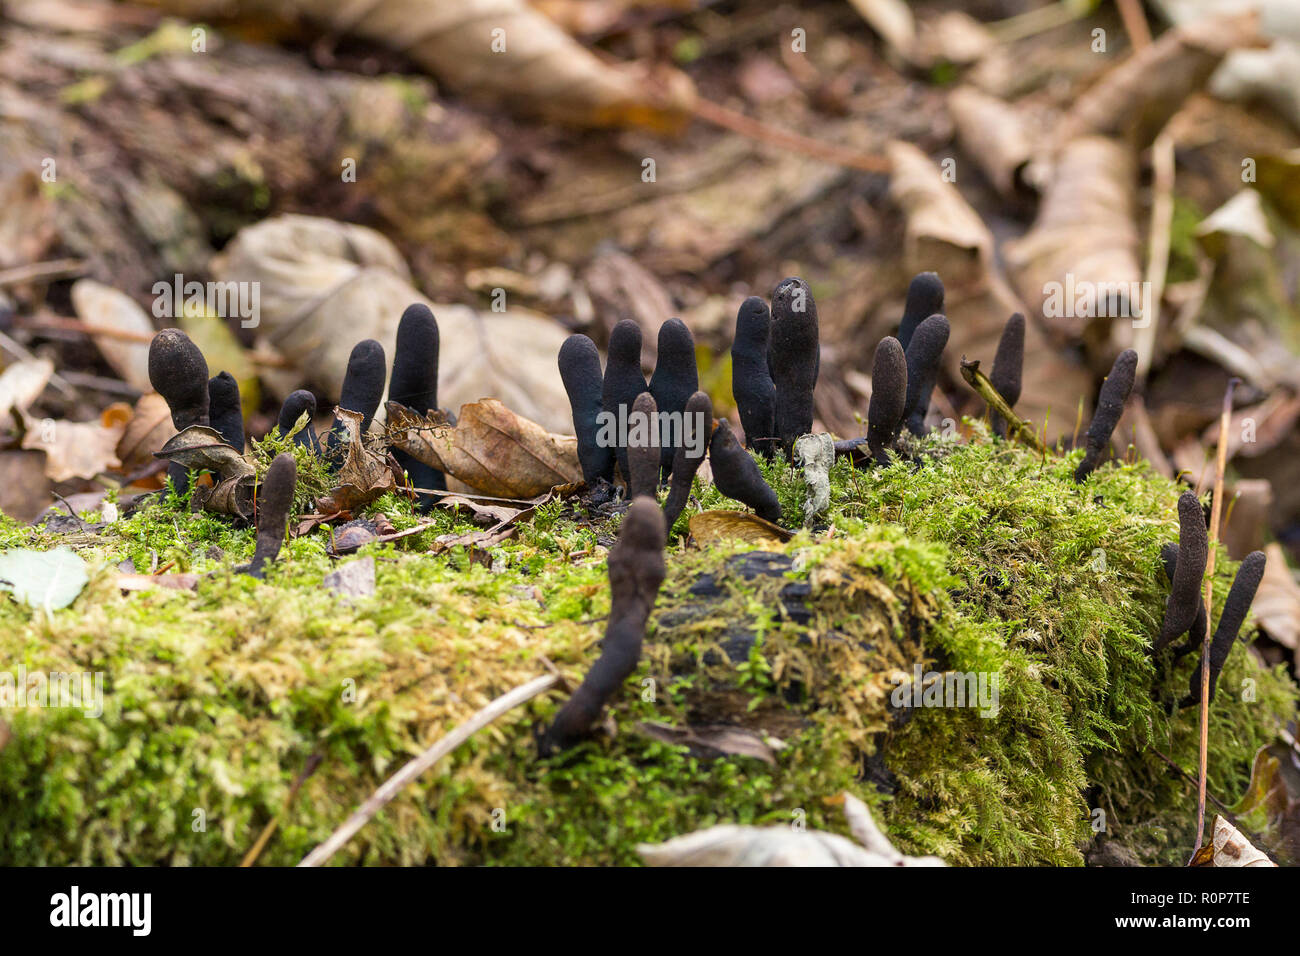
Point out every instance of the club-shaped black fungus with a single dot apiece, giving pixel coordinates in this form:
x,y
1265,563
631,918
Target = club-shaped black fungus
x,y
1235,608
178,372
273,511
415,385
751,382
224,411
643,458
579,363
363,389
636,571
794,358
1169,557
1185,592
1110,406
888,397
924,299
737,476
689,455
923,356
623,382
1008,368
292,410
675,377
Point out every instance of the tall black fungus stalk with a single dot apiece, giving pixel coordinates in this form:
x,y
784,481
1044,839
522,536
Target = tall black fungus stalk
x,y
623,382
363,389
1235,608
415,385
224,411
888,397
643,452
1169,557
737,476
579,363
1008,368
924,299
292,410
923,355
676,376
273,511
1110,406
1185,591
751,381
689,455
178,372
636,571
794,358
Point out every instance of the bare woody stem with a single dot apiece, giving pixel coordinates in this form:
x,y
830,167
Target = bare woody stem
x,y
1016,426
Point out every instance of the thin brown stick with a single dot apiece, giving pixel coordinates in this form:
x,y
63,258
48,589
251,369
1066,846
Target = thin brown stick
x,y
264,837
1135,23
394,784
760,132
1216,513
38,271
970,371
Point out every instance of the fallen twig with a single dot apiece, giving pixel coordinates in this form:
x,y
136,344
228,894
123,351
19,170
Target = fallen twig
x,y
268,831
970,371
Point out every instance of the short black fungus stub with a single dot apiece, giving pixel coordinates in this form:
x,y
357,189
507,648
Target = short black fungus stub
x,y
751,382
414,383
273,511
178,372
888,397
363,388
923,355
676,376
636,572
579,363
1235,608
794,358
1184,599
643,452
623,382
292,410
737,476
1008,368
1110,406
924,299
224,411
689,455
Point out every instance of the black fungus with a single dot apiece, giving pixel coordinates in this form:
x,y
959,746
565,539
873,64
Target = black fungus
x,y
1008,368
292,410
751,382
579,363
923,355
363,389
178,372
1185,591
924,299
689,455
636,571
737,476
888,397
1110,406
643,452
623,382
794,358
1169,557
224,411
273,511
1235,608
676,376
415,384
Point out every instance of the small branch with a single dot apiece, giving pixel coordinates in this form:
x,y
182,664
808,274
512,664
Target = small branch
x,y
38,271
1216,513
1135,23
251,856
970,371
394,784
785,139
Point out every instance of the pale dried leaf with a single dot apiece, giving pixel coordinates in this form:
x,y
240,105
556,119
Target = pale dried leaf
x,y
200,448
104,307
1233,850
1277,602
78,449
20,385
148,430
708,527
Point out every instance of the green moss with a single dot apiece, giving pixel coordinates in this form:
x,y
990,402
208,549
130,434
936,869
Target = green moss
x,y
985,559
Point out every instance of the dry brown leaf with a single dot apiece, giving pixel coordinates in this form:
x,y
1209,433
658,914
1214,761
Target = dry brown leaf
x,y
148,430
24,486
490,448
145,582
104,307
20,385
709,741
708,527
992,134
200,448
541,69
1277,602
1231,850
363,476
77,449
